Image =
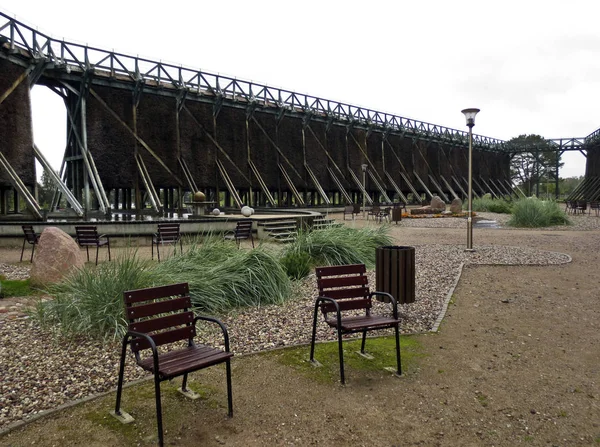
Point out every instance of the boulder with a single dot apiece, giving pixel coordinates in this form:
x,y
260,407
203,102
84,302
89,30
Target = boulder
x,y
423,210
56,255
456,206
437,204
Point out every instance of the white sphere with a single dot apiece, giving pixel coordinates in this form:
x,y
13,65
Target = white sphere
x,y
252,210
246,211
216,212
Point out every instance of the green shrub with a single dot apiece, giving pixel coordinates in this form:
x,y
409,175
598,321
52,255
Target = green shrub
x,y
535,213
297,265
487,204
90,300
16,287
222,277
341,245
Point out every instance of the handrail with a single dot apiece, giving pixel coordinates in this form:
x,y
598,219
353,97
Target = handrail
x,y
72,56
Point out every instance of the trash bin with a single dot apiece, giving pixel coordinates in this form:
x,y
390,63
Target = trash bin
x,y
395,272
396,214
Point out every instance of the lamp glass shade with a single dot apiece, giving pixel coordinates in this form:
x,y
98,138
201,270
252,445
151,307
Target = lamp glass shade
x,y
470,115
364,167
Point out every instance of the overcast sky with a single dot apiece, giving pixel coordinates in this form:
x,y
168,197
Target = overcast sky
x,y
532,67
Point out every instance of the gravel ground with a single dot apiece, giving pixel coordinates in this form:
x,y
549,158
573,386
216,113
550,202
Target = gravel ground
x,y
40,370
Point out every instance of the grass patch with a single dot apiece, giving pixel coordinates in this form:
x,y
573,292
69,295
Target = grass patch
x,y
535,213
383,349
15,287
487,204
340,245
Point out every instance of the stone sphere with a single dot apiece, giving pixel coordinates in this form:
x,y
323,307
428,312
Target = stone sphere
x,y
246,211
199,196
251,211
216,212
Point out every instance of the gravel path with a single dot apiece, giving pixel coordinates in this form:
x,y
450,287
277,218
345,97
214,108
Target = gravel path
x,y
40,370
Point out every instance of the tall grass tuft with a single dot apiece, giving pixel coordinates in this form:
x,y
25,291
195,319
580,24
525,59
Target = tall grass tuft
x,y
487,204
535,213
340,245
222,277
90,300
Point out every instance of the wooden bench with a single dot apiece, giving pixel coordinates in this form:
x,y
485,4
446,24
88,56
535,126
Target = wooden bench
x,y
162,316
243,230
343,290
353,210
168,233
30,237
87,236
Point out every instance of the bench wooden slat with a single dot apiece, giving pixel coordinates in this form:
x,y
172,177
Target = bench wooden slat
x,y
346,305
161,323
364,322
343,281
340,270
354,292
188,359
162,338
136,296
159,307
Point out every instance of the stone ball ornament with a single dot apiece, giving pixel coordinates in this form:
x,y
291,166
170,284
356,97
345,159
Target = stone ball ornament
x,y
216,212
251,211
199,196
246,211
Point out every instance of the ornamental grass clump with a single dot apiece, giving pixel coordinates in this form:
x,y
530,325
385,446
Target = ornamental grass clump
x,y
222,277
535,213
487,204
90,300
340,245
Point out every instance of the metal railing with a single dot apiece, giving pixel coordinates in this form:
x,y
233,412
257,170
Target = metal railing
x,y
69,56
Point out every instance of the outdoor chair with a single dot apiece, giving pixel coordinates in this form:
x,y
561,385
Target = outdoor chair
x,y
168,233
581,206
31,238
353,210
163,316
243,230
87,236
374,211
345,302
594,206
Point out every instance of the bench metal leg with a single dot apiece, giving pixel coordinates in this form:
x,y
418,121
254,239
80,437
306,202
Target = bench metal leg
x,y
87,250
341,353
32,250
121,415
229,392
22,250
159,421
364,339
398,360
314,335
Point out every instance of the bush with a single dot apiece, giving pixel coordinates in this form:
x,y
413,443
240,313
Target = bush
x,y
535,213
297,265
487,204
340,245
220,276
90,300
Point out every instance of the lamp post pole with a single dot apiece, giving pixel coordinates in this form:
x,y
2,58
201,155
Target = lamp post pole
x,y
364,179
470,116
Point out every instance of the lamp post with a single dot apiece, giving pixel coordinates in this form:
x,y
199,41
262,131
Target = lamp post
x,y
364,171
470,116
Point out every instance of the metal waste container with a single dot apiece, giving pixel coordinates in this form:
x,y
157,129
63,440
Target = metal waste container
x,y
395,272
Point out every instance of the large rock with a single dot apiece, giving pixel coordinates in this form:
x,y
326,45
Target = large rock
x,y
456,206
55,256
437,204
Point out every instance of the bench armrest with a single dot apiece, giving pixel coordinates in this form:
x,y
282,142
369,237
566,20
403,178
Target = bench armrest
x,y
392,301
126,341
321,299
222,326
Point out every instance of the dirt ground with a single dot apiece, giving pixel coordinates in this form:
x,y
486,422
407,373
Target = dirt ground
x,y
516,362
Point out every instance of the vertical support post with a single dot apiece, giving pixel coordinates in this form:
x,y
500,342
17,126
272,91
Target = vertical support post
x,y
86,178
364,182
470,193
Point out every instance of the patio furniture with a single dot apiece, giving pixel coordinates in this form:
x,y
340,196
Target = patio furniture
x,y
30,237
243,230
160,317
343,295
87,236
167,233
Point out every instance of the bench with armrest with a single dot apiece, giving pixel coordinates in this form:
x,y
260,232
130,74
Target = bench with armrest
x,y
243,230
30,237
87,236
162,316
167,233
345,302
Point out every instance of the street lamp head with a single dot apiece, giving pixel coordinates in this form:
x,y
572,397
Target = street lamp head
x,y
470,116
364,167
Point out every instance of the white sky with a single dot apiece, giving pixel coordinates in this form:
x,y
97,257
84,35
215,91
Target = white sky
x,y
531,66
